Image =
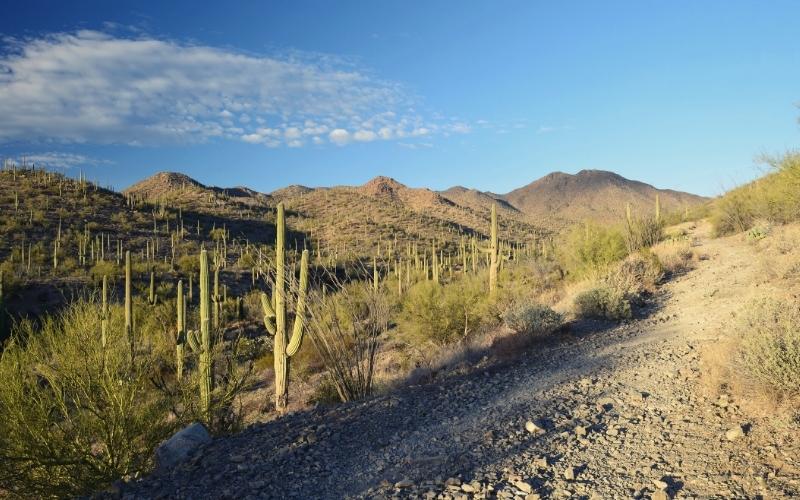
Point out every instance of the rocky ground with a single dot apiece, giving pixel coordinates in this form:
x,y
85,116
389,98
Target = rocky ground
x,y
608,411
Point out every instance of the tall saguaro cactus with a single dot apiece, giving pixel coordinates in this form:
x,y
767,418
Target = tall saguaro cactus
x,y
275,314
128,301
205,368
180,338
493,254
104,314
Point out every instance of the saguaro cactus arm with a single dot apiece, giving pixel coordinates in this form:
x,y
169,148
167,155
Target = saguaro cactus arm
x,y
269,314
300,308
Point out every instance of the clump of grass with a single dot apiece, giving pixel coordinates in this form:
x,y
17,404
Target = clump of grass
x,y
643,232
767,355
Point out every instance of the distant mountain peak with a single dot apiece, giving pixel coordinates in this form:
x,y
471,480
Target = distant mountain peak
x,y
382,185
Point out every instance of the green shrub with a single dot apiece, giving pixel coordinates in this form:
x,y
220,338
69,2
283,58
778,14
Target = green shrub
x,y
603,302
590,249
445,313
768,354
535,320
74,415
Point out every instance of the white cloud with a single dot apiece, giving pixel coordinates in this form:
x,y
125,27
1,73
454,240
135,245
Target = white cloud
x,y
365,136
93,87
385,133
339,136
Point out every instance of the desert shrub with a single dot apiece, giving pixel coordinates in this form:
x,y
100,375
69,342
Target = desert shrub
x,y
74,414
445,313
534,320
188,264
774,198
638,274
590,249
643,232
104,268
345,327
768,351
603,301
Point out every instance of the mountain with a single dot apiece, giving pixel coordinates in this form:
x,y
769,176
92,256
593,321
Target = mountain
x,y
594,195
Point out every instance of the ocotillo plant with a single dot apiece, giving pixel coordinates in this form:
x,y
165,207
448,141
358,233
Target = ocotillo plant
x,y
275,314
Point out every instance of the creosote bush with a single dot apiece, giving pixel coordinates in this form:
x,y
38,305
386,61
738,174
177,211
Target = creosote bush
x,y
589,249
535,320
604,302
442,314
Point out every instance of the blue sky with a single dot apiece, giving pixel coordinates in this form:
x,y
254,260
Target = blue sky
x,y
491,95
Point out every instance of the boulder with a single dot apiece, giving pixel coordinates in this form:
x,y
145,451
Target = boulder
x,y
181,446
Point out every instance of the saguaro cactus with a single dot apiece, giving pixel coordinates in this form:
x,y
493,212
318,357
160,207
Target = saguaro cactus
x,y
275,314
493,254
180,337
104,314
152,298
205,368
128,302
658,208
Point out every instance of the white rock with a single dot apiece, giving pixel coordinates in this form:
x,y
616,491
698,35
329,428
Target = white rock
x,y
181,446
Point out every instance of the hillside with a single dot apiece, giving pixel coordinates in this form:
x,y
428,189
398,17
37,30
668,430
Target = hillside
x,y
593,195
603,411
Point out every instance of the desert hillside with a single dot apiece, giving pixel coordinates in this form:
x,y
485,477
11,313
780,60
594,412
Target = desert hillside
x,y
603,411
593,195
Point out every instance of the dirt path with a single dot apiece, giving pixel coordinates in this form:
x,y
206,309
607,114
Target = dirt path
x,y
618,408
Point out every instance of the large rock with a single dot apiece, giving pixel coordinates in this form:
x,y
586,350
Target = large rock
x,y
181,446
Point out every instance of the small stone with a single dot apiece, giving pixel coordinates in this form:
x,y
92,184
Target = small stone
x,y
405,483
581,430
660,495
453,481
523,486
467,488
533,496
661,485
540,463
735,433
569,474
533,428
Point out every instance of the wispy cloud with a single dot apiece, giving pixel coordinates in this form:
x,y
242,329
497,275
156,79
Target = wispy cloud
x,y
548,129
94,87
59,160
